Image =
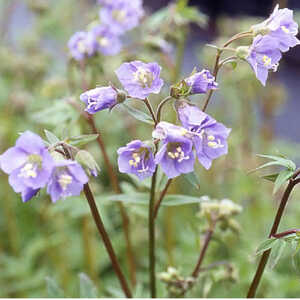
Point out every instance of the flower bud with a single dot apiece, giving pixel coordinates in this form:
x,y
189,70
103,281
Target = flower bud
x,y
260,29
87,161
242,52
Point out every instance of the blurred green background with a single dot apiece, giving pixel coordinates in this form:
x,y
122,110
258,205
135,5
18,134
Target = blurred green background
x,y
44,247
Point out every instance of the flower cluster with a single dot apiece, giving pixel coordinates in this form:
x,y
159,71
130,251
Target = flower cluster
x,y
31,167
103,36
198,132
275,35
138,79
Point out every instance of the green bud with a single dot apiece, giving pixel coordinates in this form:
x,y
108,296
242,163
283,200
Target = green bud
x,y
260,29
87,161
242,52
121,96
57,156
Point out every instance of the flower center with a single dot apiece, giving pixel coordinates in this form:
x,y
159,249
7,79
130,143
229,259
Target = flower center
x,y
103,41
266,60
119,15
144,77
136,158
28,171
81,47
178,154
64,181
213,142
92,102
285,29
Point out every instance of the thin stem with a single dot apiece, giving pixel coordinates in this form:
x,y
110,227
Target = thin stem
x,y
160,106
151,226
116,187
226,60
150,108
107,243
218,56
162,195
266,254
285,233
207,240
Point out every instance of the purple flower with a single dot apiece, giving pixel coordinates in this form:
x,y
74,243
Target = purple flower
x,y
209,136
201,82
281,26
28,164
99,98
176,154
107,42
136,158
121,15
81,45
140,79
264,55
67,179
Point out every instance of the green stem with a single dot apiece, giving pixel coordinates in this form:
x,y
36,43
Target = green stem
x,y
162,195
160,106
218,56
151,226
266,254
150,108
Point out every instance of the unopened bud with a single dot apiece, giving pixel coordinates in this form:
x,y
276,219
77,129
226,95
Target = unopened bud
x,y
242,52
87,161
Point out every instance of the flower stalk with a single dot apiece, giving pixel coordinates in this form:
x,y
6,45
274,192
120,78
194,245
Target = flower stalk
x,y
265,256
107,243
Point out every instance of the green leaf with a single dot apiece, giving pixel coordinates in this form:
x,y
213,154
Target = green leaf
x,y
277,251
59,112
138,114
193,179
87,287
265,245
51,137
81,140
277,161
296,260
282,177
233,64
53,289
281,161
271,177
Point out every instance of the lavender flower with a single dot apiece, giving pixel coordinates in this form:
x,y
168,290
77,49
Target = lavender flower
x,y
107,43
281,26
176,155
136,158
81,45
209,136
121,15
99,98
67,179
140,79
201,82
28,164
264,55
